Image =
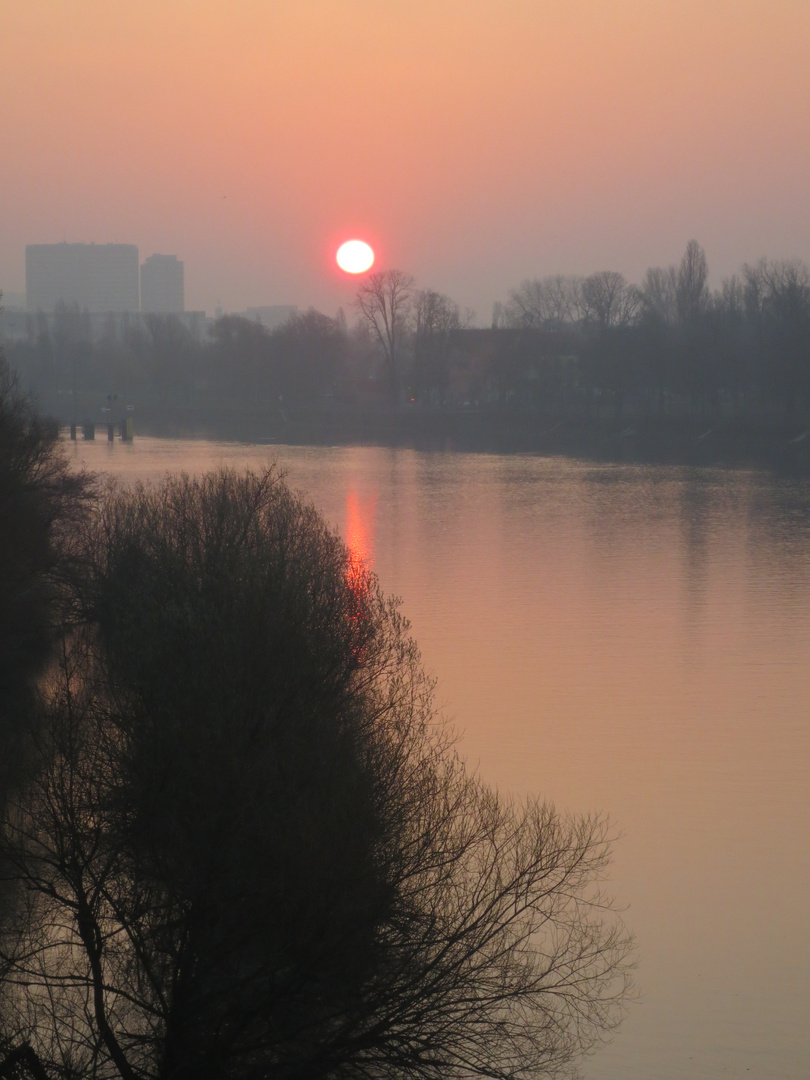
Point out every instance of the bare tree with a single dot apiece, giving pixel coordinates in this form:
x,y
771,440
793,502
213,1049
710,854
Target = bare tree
x,y
732,296
777,301
550,303
691,289
309,352
384,302
435,317
658,291
777,285
609,301
249,847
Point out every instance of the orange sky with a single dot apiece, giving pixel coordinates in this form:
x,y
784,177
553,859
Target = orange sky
x,y
474,142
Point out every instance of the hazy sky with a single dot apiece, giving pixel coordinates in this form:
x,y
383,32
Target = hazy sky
x,y
474,143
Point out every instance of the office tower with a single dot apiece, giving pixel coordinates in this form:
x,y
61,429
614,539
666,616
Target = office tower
x,y
96,277
162,286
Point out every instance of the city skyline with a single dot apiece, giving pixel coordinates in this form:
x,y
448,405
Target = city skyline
x,y
95,277
101,278
471,146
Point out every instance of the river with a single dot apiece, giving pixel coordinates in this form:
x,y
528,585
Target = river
x,y
628,639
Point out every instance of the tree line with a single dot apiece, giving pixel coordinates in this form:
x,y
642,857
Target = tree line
x,y
673,345
236,839
559,344
596,344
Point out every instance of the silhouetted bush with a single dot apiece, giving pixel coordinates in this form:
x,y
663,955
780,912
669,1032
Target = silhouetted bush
x,y
249,848
41,501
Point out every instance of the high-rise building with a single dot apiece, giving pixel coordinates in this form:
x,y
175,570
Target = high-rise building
x,y
162,287
97,277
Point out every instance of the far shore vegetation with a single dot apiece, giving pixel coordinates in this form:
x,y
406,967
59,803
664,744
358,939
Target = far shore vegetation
x,y
666,369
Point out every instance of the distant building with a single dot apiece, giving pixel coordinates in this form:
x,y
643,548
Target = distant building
x,y
162,285
96,277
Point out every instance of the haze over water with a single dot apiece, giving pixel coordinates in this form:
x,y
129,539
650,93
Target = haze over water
x,y
634,640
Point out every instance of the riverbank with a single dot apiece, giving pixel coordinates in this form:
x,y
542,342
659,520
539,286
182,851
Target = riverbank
x,y
781,446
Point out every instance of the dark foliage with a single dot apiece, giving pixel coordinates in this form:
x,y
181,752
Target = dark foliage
x,y
41,501
249,848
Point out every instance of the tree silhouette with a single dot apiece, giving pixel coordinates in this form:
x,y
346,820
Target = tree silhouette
x,y
40,500
248,846
384,303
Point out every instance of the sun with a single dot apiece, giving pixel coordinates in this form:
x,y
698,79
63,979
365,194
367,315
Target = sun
x,y
355,256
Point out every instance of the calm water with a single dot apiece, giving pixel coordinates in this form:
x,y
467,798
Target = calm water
x,y
634,640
